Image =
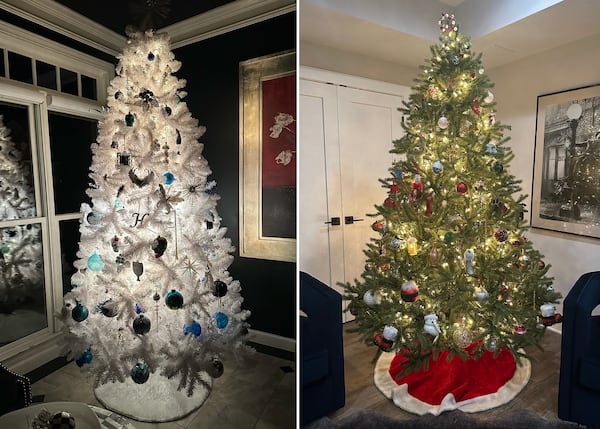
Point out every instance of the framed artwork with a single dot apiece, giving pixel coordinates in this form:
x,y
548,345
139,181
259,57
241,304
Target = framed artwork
x,y
268,157
566,179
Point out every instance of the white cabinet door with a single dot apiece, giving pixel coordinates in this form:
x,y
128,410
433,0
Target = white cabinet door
x,y
345,138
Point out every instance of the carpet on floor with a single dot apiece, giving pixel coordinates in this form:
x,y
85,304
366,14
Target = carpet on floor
x,y
455,419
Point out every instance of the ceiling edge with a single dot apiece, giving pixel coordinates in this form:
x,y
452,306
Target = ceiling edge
x,y
224,19
62,20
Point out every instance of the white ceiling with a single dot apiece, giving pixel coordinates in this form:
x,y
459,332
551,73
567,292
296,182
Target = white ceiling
x,y
401,31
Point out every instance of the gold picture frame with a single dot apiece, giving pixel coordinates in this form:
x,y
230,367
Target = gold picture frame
x,y
268,157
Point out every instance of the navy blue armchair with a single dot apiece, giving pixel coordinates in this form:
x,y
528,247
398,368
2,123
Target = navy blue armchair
x,y
322,389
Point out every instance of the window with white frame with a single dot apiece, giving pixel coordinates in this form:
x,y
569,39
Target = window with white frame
x,y
49,108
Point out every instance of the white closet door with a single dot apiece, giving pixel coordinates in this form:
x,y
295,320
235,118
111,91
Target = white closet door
x,y
368,124
345,138
317,156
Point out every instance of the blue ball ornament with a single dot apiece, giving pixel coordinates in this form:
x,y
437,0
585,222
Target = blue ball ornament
x,y
151,56
193,328
79,313
140,373
221,319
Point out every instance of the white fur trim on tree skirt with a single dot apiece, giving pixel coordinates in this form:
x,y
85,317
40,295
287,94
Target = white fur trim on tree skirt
x,y
157,400
402,399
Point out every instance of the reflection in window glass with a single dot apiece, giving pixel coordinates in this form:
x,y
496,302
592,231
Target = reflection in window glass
x,y
88,87
20,67
17,198
22,297
68,81
70,140
46,74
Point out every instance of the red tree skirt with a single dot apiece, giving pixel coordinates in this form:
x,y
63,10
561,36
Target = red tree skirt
x,y
471,385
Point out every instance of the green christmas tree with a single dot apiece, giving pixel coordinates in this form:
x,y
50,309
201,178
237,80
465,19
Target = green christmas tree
x,y
451,267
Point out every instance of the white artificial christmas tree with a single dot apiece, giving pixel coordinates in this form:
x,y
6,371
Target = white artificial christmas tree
x,y
152,297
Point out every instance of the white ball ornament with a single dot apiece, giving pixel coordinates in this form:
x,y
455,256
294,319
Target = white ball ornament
x,y
371,298
443,122
489,97
390,333
437,167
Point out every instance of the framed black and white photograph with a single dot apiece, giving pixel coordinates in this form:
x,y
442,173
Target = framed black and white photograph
x,y
566,176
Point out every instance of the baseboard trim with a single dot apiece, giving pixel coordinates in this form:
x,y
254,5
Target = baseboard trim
x,y
271,340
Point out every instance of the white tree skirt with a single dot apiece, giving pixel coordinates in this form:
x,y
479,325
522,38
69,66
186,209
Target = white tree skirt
x,y
402,399
157,400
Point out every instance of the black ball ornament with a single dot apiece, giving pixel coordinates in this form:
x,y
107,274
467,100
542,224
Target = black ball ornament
x,y
141,325
108,308
215,369
159,245
140,373
219,288
61,420
174,300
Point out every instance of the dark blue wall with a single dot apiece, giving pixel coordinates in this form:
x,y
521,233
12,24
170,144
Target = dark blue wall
x,y
211,68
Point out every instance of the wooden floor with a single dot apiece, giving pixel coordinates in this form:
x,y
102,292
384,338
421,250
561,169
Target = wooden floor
x,y
540,394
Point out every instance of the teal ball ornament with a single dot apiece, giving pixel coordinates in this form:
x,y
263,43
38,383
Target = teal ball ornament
x,y
174,300
95,262
140,373
141,325
85,358
79,313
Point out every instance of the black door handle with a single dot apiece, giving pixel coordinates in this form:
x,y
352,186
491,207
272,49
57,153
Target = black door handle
x,y
334,221
349,220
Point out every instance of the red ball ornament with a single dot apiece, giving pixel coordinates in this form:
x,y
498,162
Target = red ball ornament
x,y
519,330
476,109
394,189
382,343
558,318
377,226
541,264
462,188
389,203
501,235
